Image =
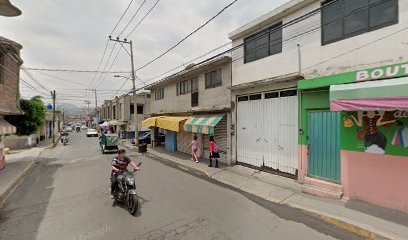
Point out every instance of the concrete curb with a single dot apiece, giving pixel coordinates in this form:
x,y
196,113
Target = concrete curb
x,y
13,185
367,234
180,165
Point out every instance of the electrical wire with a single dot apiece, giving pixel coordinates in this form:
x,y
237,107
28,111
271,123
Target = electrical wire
x,y
74,70
188,35
134,15
120,19
143,18
113,62
100,62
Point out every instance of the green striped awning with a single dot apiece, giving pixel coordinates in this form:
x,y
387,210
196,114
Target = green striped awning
x,y
202,124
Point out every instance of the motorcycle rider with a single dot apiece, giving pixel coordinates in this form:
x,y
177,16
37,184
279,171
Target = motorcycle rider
x,y
119,165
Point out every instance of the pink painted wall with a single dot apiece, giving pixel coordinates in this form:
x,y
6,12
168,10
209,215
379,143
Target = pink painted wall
x,y
374,178
302,163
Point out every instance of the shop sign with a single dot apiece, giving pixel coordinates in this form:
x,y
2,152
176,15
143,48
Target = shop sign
x,y
401,114
398,70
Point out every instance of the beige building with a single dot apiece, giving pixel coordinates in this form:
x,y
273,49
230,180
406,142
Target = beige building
x,y
200,94
127,111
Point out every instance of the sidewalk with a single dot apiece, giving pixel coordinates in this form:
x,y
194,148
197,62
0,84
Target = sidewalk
x,y
19,164
369,221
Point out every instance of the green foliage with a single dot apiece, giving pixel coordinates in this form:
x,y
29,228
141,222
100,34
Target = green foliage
x,y
33,117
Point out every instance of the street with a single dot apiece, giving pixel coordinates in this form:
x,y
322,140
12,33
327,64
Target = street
x,y
66,196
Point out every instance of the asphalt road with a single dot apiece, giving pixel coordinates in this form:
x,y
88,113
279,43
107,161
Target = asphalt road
x,y
66,196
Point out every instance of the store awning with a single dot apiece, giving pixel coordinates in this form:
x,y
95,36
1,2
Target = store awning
x,y
117,123
6,128
166,122
202,124
386,95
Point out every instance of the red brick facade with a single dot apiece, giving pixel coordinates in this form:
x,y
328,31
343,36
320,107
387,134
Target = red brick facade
x,y
9,76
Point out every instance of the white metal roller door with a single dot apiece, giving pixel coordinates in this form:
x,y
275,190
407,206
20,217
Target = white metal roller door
x,y
220,136
267,130
249,115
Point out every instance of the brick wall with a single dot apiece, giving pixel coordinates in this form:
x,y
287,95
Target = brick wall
x,y
9,86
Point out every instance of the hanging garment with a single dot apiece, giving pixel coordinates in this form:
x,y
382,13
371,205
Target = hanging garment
x,y
404,136
396,139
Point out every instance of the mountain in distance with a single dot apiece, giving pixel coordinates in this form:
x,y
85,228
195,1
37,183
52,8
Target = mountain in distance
x,y
69,108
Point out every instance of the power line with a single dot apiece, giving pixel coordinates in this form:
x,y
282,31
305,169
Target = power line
x,y
120,19
113,62
134,15
189,35
100,62
144,17
74,70
190,61
62,79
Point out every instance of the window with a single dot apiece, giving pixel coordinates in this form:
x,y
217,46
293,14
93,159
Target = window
x,y
194,99
271,95
139,109
243,98
159,94
288,93
213,79
263,44
255,97
132,108
114,112
342,19
2,69
187,86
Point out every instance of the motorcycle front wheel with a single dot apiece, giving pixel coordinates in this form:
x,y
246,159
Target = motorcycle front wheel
x,y
132,204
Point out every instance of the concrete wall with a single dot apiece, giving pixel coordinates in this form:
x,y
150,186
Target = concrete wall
x,y
359,52
208,98
15,142
374,178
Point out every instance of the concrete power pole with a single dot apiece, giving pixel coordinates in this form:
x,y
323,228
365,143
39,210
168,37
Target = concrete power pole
x,y
133,81
53,95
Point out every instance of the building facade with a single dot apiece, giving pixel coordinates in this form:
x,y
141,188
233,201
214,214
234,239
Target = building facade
x,y
349,144
198,102
124,113
10,63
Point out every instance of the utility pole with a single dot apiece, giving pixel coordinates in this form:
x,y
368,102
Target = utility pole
x,y
133,81
96,106
53,95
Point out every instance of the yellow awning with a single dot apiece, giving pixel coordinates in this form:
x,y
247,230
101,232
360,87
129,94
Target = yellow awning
x,y
166,122
150,122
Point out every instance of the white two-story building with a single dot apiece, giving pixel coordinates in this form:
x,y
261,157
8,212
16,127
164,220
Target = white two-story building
x,y
303,39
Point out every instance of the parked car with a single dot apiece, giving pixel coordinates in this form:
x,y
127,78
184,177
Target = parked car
x,y
146,138
83,127
91,133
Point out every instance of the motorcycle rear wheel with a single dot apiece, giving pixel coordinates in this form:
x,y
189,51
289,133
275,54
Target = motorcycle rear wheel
x,y
132,204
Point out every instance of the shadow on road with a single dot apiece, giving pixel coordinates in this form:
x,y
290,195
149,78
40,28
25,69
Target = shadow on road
x,y
141,200
30,205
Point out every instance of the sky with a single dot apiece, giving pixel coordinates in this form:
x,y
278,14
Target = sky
x,y
61,34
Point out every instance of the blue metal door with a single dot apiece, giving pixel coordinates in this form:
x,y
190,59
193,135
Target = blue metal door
x,y
324,145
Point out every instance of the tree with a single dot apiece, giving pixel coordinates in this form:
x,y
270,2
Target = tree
x,y
33,117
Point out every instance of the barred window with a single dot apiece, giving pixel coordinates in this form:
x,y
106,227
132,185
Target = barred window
x,y
342,19
159,94
213,79
263,44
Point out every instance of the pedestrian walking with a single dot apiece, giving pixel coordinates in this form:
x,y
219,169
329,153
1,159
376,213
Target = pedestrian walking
x,y
214,152
194,147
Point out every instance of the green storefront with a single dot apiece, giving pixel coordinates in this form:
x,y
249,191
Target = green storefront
x,y
354,133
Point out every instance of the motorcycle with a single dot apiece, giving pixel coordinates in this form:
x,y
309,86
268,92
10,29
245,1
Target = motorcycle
x,y
64,138
125,191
